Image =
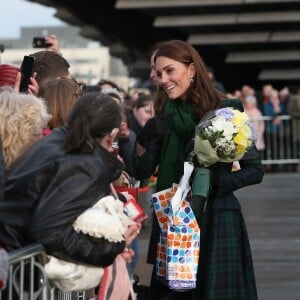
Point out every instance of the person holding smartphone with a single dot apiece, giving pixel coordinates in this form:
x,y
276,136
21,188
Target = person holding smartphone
x,y
41,66
49,65
53,43
26,73
11,76
50,42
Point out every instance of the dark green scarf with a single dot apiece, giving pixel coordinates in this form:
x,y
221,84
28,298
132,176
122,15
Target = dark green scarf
x,y
173,152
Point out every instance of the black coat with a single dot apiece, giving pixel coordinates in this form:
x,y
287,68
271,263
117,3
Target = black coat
x,y
47,189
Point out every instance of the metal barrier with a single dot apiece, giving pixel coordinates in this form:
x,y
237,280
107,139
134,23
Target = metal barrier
x,y
28,279
282,140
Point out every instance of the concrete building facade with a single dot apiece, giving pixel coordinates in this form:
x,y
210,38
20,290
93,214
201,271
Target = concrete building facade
x,y
90,61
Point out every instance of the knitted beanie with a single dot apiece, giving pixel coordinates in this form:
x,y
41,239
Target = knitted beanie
x,y
8,74
3,268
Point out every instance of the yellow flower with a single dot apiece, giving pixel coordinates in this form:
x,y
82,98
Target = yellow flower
x,y
240,149
239,119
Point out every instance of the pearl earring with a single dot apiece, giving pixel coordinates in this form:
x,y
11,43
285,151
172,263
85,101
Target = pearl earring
x,y
191,80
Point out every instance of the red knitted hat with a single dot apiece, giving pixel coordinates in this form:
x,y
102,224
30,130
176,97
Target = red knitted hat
x,y
8,74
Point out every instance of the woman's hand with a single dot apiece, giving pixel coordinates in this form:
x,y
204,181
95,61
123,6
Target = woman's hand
x,y
127,254
155,127
33,87
124,130
53,42
131,233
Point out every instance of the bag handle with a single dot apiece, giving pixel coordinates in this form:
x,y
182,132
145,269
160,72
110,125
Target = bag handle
x,y
183,187
113,191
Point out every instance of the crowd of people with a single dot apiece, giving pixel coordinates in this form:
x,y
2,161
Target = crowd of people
x,y
65,145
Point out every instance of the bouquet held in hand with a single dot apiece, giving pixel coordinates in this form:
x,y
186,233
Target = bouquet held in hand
x,y
223,135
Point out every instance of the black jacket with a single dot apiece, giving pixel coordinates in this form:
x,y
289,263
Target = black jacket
x,y
47,189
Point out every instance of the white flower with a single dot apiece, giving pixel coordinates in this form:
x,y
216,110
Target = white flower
x,y
220,124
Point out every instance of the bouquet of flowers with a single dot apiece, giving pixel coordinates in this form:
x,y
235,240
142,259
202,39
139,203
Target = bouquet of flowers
x,y
223,135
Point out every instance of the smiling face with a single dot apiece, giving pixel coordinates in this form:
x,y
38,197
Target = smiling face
x,y
173,76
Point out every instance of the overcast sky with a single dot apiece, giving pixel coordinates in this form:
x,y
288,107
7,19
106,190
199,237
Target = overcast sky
x,y
19,13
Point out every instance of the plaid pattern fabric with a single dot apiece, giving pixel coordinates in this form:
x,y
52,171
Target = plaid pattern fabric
x,y
226,269
250,173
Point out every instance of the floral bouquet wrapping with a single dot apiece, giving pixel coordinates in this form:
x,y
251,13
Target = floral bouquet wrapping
x,y
223,135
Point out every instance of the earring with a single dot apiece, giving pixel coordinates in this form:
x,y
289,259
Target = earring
x,y
191,80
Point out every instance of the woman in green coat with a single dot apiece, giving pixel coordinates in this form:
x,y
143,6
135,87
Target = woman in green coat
x,y
185,93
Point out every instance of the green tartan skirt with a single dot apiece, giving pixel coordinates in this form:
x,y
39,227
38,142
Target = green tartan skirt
x,y
225,266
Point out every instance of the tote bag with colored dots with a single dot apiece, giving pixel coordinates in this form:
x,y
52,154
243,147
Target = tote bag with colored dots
x,y
179,244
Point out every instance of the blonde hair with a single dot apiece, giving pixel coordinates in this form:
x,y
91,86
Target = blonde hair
x,y
250,99
23,118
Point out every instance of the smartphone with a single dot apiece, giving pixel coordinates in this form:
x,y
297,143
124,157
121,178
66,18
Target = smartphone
x,y
26,71
39,42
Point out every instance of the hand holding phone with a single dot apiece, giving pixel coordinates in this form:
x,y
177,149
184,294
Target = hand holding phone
x,y
39,42
26,72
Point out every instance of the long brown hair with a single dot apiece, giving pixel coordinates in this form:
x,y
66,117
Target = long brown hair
x,y
202,92
60,96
